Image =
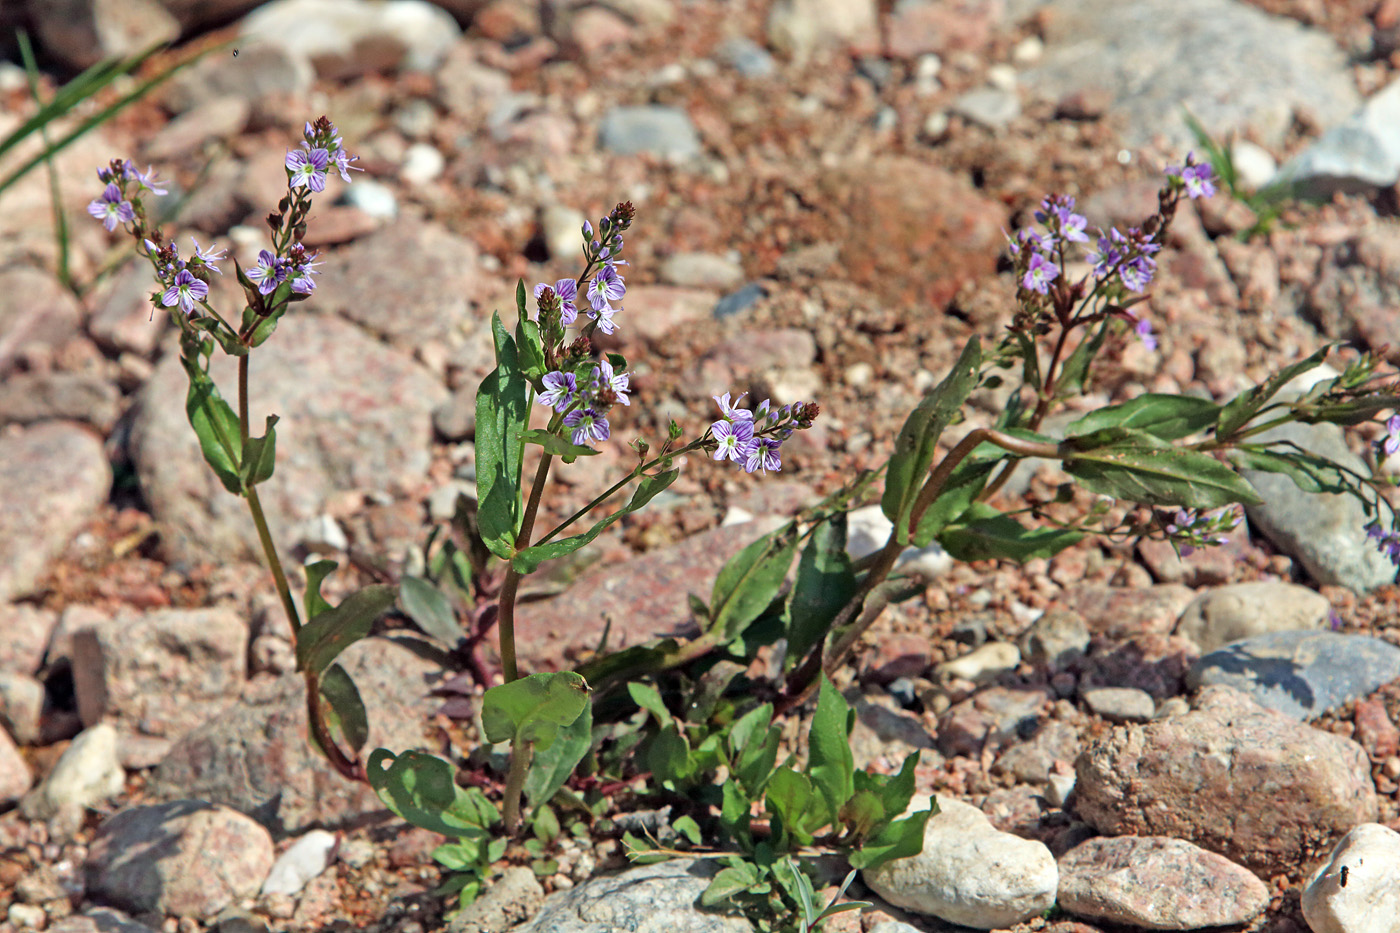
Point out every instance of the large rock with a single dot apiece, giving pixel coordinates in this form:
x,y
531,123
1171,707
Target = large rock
x,y
55,476
1357,890
345,38
35,311
1302,674
254,755
370,434
87,773
15,776
1249,783
657,898
1233,67
83,32
1360,155
969,872
187,858
1230,613
1157,883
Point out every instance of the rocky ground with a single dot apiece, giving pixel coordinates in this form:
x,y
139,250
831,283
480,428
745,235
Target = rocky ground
x,y
822,187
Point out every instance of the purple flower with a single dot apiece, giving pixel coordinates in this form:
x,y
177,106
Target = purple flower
x,y
209,256
1111,252
1391,443
1039,274
146,179
730,412
1143,329
606,286
1197,179
604,317
111,208
307,168
1136,273
185,292
559,390
567,290
270,273
342,161
733,437
588,426
1387,542
605,378
763,455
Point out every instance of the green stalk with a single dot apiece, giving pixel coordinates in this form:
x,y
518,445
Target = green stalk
x,y
505,616
520,756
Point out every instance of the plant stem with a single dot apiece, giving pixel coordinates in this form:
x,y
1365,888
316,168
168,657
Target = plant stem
x,y
505,617
520,755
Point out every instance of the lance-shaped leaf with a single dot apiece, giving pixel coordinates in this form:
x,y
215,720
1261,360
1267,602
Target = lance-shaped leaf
x,y
825,582
749,581
1309,472
316,574
1353,410
532,709
1169,417
914,447
830,763
1239,410
215,424
983,532
554,444
900,839
528,560
322,639
552,766
260,455
1137,467
421,789
502,415
345,703
427,606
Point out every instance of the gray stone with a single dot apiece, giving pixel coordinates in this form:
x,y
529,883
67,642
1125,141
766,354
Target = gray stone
x,y
254,755
1033,760
1230,776
512,899
158,858
747,57
651,129
259,70
27,630
990,107
739,301
88,772
122,317
219,118
801,28
375,199
969,872
1158,883
370,434
1302,674
55,476
1357,890
1324,532
1120,704
1056,639
1232,66
29,397
99,920
198,656
657,898
1240,610
1360,155
701,270
344,38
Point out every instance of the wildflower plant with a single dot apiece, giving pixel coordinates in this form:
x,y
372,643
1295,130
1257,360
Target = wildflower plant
x,y
675,713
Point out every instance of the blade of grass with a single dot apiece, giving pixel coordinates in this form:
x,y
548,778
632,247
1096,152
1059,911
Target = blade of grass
x,y
60,216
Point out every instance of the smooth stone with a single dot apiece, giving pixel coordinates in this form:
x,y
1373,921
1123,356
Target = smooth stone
x,y
1324,532
1056,639
1121,704
737,302
85,33
1159,883
1302,674
969,872
1241,610
21,706
652,129
867,530
27,631
15,776
345,38
990,107
374,198
647,899
800,28
89,771
982,664
1357,890
1360,155
701,270
304,859
747,57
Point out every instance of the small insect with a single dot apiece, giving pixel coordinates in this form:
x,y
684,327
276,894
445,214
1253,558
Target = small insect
x,y
1343,873
235,53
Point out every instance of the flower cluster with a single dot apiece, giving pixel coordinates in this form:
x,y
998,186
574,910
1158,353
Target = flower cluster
x,y
321,149
1189,529
753,438
1197,180
585,407
559,302
1387,541
297,267
116,205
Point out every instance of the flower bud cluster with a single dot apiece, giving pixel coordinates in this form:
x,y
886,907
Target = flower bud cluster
x,y
753,438
1189,529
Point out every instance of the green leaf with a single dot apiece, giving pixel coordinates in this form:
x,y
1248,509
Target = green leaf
x,y
554,765
1075,373
825,583
914,447
502,415
900,839
668,756
322,639
215,424
545,825
1309,472
790,798
963,486
316,574
532,709
1137,467
344,699
1239,410
641,852
688,828
726,884
554,444
429,608
527,339
754,748
983,532
528,560
830,763
647,697
260,455
421,789
1169,417
748,582
894,790
861,814
1030,360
